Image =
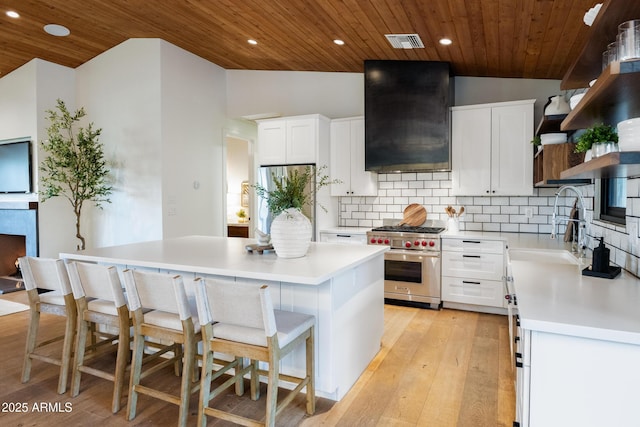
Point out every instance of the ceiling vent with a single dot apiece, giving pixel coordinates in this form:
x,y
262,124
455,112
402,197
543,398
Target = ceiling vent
x,y
405,41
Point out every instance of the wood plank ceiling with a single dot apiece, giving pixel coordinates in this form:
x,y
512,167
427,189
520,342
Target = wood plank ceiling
x,y
491,38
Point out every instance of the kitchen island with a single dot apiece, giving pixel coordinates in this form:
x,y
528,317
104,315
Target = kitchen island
x,y
579,344
342,285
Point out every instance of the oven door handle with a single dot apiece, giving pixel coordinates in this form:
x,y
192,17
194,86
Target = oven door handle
x,y
432,254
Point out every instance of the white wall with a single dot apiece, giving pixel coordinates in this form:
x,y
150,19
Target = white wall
x,y
120,91
162,114
291,93
193,118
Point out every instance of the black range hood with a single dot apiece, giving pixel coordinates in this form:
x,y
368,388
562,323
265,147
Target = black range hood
x,y
407,116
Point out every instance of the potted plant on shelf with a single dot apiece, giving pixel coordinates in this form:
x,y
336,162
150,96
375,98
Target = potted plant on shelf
x,y
291,230
600,139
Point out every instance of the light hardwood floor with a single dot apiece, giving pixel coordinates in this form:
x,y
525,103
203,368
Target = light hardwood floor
x,y
434,368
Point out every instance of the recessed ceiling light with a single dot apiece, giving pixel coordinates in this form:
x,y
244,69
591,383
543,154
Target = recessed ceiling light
x,y
445,41
338,42
12,14
56,30
251,41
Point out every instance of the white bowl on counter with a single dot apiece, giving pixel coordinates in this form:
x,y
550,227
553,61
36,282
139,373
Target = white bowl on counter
x,y
629,135
553,138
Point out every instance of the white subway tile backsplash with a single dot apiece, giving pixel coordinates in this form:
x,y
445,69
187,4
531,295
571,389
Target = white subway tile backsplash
x,y
491,209
524,214
500,218
509,209
509,228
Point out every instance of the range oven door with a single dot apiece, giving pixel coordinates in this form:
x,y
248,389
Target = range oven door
x,y
412,277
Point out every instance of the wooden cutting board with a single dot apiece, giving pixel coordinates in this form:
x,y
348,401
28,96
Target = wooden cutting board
x,y
414,215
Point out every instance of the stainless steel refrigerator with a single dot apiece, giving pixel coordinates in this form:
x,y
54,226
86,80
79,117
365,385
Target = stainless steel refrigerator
x,y
267,176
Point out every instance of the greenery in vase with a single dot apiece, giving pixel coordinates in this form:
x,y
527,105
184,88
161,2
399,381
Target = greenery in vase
x,y
597,134
291,191
75,167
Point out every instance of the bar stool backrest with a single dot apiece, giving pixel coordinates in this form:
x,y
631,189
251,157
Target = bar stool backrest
x,y
96,281
235,303
45,273
157,291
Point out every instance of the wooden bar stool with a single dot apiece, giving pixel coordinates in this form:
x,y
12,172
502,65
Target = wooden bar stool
x,y
239,319
168,317
100,301
48,274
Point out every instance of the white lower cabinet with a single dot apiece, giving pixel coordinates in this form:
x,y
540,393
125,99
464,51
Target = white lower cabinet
x,y
565,380
344,237
473,272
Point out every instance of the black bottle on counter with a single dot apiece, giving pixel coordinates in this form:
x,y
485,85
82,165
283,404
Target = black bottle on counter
x,y
600,262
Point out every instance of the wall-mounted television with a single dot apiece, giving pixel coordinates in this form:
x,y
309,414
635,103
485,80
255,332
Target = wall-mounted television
x,y
15,166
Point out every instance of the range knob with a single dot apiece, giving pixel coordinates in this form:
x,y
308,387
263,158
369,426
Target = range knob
x,y
386,241
373,240
379,241
424,243
407,244
416,243
432,243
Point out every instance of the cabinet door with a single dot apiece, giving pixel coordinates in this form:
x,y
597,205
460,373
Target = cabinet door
x,y
301,141
511,152
363,183
272,140
340,154
471,152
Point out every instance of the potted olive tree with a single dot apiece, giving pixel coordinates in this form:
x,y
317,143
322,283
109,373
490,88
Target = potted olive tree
x,y
597,139
75,167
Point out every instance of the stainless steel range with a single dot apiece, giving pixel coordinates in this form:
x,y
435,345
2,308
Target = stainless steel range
x,y
412,265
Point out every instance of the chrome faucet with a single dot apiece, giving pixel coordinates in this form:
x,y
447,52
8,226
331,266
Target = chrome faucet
x,y
581,221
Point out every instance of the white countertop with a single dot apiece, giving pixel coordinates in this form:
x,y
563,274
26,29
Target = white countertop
x,y
228,257
557,298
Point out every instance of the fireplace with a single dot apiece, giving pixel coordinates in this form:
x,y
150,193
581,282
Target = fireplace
x,y
18,237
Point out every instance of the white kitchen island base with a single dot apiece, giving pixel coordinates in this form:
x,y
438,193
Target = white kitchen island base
x,y
341,285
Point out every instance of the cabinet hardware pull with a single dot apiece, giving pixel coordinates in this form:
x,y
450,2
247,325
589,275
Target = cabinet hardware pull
x,y
471,256
472,241
343,235
470,282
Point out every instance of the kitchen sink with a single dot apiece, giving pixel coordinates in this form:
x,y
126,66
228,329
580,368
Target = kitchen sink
x,y
543,256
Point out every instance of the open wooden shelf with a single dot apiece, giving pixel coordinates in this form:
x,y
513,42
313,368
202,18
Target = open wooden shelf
x,y
613,165
603,31
549,163
549,124
613,98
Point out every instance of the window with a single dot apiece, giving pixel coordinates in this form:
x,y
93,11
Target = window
x,y
613,200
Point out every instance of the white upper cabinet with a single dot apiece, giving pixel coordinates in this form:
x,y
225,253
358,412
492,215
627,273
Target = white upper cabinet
x,y
491,151
347,159
291,140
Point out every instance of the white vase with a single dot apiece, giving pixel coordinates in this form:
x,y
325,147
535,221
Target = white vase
x,y
291,233
588,155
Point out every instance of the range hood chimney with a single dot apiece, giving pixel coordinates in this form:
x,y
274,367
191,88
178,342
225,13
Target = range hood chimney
x,y
407,116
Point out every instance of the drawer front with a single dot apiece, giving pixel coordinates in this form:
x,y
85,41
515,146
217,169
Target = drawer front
x,y
348,238
468,291
473,245
473,266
